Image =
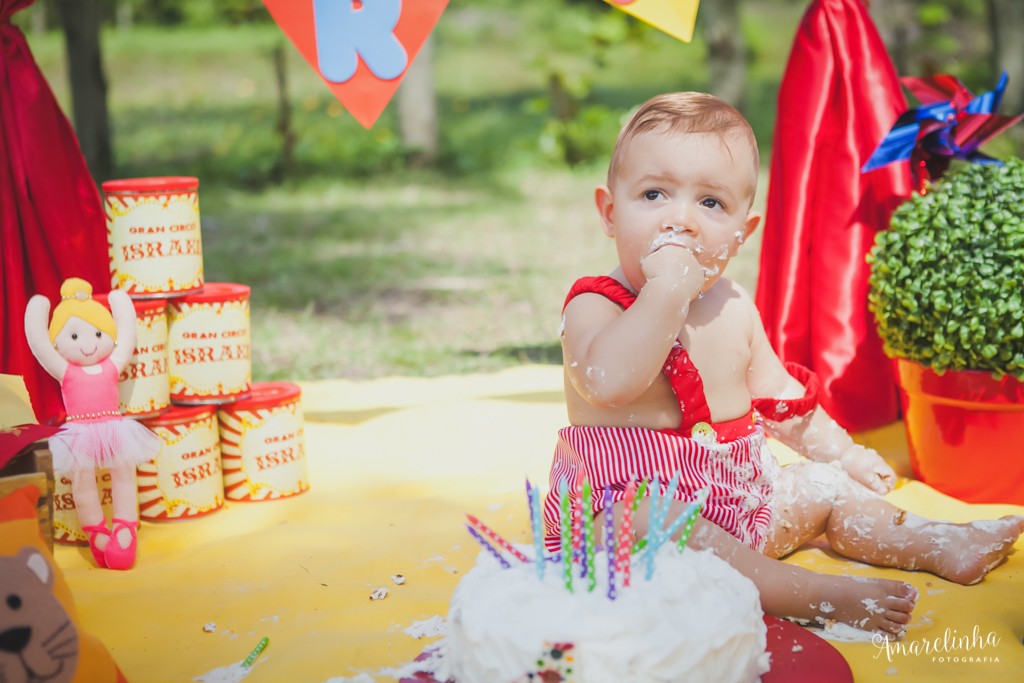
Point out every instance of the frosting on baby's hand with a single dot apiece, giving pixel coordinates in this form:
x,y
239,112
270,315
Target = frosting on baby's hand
x,y
867,467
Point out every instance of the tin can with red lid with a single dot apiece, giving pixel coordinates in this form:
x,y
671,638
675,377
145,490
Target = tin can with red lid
x,y
185,480
143,388
263,444
208,345
153,236
67,528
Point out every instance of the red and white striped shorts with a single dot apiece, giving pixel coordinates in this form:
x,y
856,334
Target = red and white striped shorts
x,y
741,474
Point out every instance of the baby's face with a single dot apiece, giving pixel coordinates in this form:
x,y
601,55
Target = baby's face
x,y
680,190
82,343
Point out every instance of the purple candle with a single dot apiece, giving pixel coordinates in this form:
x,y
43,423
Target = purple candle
x,y
488,546
609,539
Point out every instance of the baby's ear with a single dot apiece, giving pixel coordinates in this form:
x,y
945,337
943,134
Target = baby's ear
x,y
603,201
750,225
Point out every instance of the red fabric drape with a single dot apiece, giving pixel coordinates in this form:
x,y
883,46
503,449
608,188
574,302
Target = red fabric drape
x,y
51,220
839,96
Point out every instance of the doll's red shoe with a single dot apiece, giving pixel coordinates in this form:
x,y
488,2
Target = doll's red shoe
x,y
97,554
118,557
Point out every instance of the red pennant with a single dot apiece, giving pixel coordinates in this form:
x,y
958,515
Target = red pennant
x,y
364,95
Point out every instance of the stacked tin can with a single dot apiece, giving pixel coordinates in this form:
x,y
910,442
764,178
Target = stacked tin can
x,y
190,379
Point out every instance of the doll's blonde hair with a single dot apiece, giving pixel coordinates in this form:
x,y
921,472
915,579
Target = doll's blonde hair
x,y
76,301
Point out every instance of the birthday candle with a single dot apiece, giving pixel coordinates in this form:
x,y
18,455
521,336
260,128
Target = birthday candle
x,y
666,502
588,549
626,533
255,653
538,539
577,520
652,523
497,539
689,512
563,492
639,495
609,539
488,546
529,502
702,497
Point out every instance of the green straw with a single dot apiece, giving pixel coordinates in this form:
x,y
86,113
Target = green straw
x,y
255,653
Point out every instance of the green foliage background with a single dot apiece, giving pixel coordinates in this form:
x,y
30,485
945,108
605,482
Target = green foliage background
x,y
948,276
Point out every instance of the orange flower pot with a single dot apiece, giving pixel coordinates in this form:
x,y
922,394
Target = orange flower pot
x,y
965,432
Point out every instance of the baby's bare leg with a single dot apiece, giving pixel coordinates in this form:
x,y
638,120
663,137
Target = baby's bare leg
x,y
862,525
786,590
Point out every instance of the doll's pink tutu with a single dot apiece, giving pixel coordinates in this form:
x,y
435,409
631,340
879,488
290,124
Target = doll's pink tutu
x,y
95,434
113,442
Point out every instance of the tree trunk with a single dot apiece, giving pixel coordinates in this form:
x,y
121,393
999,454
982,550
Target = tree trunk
x,y
1007,19
897,24
39,18
284,117
727,50
81,20
417,108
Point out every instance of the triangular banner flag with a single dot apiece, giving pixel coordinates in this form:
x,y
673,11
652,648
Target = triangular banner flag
x,y
361,48
674,17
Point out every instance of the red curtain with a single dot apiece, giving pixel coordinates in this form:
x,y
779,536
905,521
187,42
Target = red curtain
x,y
51,220
839,96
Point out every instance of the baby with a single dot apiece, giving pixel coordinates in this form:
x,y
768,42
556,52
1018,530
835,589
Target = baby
x,y
665,364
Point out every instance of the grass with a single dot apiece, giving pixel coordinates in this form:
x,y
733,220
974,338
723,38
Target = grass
x,y
359,266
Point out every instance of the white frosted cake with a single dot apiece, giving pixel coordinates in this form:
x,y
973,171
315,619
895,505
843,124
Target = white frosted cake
x,y
698,620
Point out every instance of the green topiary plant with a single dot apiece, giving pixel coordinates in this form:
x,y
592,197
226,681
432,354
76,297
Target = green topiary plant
x,y
947,277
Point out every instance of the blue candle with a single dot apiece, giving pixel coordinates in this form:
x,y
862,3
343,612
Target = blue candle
x,y
538,538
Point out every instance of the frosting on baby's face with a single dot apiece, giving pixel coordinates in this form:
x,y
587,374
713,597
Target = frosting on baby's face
x,y
680,190
82,343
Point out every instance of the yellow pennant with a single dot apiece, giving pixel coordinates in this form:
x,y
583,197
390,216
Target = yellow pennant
x,y
674,17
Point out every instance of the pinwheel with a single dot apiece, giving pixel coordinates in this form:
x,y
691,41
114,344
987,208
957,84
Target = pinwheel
x,y
951,123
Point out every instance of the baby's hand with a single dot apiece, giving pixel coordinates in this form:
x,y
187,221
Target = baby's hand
x,y
867,467
677,266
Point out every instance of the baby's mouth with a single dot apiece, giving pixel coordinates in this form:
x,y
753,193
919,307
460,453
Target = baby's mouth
x,y
672,239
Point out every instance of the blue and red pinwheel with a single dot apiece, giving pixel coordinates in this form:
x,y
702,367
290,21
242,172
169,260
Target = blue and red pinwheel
x,y
951,123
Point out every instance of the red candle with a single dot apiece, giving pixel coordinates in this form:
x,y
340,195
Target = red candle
x,y
626,533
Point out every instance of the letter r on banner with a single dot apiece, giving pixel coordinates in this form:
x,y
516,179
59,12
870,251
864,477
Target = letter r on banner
x,y
345,28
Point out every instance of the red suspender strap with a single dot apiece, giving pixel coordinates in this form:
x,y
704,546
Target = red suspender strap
x,y
607,287
777,411
678,368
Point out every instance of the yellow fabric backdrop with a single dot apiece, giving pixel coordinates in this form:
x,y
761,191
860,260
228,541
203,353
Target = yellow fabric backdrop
x,y
393,465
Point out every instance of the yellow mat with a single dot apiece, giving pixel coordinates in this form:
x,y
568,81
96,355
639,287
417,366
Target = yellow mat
x,y
393,465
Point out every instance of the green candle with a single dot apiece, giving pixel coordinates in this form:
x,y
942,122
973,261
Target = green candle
x,y
590,548
563,491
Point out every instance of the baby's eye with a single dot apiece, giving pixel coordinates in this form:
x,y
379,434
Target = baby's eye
x,y
74,336
710,203
99,335
652,194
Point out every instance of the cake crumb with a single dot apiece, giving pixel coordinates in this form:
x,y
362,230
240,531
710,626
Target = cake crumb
x,y
798,648
899,517
891,671
210,627
398,579
379,593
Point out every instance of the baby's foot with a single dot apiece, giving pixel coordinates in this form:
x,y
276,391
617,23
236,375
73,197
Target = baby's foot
x,y
967,552
868,604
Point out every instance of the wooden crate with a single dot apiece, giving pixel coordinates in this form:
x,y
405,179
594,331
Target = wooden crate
x,y
33,465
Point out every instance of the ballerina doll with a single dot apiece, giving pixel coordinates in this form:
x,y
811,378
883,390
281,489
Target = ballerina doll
x,y
83,354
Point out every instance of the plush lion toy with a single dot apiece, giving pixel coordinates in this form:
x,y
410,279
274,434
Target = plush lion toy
x,y
40,639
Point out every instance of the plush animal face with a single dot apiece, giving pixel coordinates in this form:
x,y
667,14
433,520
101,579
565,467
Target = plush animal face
x,y
82,343
38,642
